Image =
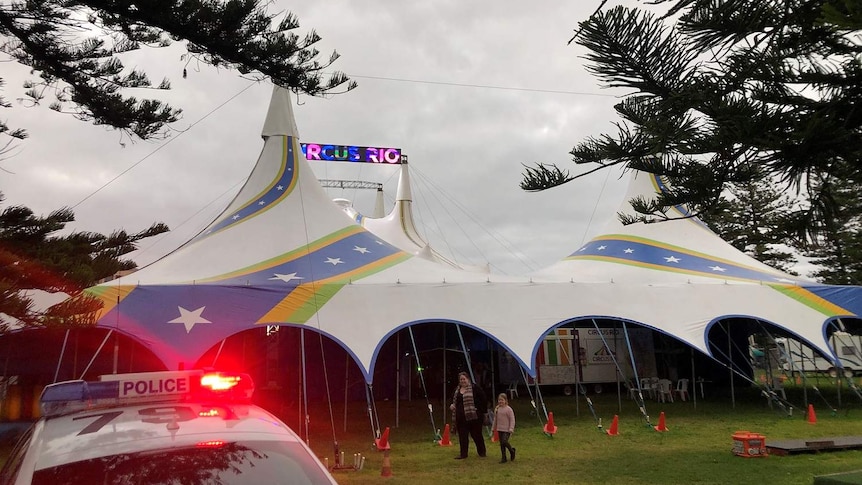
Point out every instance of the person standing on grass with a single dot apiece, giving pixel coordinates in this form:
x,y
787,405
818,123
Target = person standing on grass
x,y
504,425
468,412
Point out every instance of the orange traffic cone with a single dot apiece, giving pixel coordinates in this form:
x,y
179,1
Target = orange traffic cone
x,y
661,426
382,443
495,437
615,424
812,418
386,471
549,428
445,441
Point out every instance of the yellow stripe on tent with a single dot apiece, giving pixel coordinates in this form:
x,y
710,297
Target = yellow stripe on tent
x,y
307,298
812,301
290,256
110,296
638,264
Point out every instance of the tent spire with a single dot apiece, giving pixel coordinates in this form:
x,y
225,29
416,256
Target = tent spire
x,y
379,209
279,118
404,193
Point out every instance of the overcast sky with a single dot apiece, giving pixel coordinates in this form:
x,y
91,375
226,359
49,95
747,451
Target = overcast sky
x,y
466,145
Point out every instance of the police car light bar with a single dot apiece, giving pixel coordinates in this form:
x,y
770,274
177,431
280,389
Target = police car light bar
x,y
116,389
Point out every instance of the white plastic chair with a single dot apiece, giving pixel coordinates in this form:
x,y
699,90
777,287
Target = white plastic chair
x,y
513,390
682,389
648,387
665,390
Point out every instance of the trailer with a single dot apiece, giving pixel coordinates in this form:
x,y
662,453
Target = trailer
x,y
594,363
797,357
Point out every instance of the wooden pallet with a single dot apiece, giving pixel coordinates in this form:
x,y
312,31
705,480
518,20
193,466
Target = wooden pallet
x,y
813,445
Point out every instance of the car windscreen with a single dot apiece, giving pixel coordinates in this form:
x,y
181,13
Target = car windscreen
x,y
211,462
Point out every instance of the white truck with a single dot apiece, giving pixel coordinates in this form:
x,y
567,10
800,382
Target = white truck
x,y
798,357
593,364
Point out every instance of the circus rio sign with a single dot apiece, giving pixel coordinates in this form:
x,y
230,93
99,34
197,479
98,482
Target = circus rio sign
x,y
350,153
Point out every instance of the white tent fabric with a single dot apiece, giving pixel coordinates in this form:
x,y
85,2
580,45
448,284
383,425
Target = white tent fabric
x,y
282,253
399,227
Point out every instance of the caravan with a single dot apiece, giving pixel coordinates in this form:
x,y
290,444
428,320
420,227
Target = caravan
x,y
798,357
599,351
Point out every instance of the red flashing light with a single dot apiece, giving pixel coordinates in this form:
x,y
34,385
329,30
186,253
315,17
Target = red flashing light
x,y
218,381
227,385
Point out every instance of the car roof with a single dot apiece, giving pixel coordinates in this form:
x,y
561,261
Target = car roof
x,y
113,430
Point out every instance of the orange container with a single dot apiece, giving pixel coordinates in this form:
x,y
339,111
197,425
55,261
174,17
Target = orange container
x,y
748,444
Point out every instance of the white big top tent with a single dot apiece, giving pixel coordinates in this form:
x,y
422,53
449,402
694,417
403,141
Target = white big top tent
x,y
282,253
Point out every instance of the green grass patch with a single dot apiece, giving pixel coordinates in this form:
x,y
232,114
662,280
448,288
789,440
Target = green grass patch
x,y
696,450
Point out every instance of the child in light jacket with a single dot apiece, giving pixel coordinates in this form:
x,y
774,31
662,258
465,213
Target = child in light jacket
x,y
504,425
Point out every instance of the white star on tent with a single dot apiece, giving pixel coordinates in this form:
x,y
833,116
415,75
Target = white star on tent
x,y
602,248
235,217
280,187
379,242
718,268
261,203
671,259
334,261
629,250
190,318
287,278
361,250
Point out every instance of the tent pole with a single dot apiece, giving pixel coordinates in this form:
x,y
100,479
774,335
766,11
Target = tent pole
x,y
218,352
397,377
693,380
493,379
304,385
837,366
346,382
578,386
637,381
117,340
62,352
445,394
97,353
375,431
576,355
802,374
422,381
466,353
730,360
619,369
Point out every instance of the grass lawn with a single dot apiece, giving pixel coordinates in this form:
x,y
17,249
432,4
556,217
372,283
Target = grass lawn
x,y
696,450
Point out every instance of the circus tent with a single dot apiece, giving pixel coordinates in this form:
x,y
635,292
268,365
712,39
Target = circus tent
x,y
282,253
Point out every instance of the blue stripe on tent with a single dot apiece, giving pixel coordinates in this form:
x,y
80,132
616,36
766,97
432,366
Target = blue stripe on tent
x,y
340,257
847,297
633,252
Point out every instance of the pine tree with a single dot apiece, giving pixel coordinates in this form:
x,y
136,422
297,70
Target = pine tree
x,y
75,50
837,243
723,91
33,257
754,218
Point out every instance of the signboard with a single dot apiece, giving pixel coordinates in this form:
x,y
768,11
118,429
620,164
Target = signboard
x,y
351,153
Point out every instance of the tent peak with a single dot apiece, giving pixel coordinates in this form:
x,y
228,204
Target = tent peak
x,y
280,120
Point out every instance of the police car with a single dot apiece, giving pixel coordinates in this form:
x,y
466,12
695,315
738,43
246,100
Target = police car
x,y
187,427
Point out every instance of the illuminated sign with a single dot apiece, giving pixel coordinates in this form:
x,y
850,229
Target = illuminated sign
x,y
350,153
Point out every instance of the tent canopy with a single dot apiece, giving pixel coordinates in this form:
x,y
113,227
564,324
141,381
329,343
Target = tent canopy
x,y
282,253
